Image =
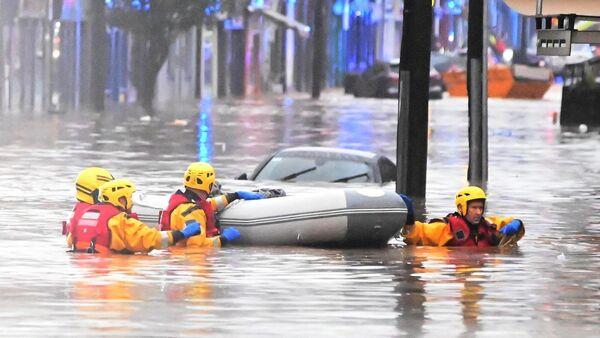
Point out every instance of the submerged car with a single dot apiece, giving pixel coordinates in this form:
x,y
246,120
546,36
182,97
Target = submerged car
x,y
381,80
322,164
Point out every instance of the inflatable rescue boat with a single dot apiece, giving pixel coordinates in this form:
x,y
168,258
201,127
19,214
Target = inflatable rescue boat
x,y
362,217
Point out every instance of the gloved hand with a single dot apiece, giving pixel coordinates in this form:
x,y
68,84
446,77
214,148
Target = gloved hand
x,y
410,210
191,229
230,234
249,195
512,227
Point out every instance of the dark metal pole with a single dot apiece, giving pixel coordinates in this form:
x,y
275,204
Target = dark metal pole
x,y
198,77
319,52
402,133
411,151
221,59
477,87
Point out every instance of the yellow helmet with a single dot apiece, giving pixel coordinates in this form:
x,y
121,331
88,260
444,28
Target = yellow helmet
x,y
88,181
112,192
199,175
467,194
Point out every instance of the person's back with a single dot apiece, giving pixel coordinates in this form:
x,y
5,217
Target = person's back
x,y
193,206
86,193
107,226
185,207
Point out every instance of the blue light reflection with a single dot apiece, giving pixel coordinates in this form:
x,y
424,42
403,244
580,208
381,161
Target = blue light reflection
x,y
205,132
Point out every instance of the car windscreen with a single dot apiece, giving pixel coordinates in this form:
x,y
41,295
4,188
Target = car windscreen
x,y
297,168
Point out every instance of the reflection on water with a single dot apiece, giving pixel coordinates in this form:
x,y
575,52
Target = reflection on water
x,y
205,131
549,286
353,132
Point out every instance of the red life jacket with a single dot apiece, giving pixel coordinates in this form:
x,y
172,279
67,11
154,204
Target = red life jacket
x,y
78,210
90,233
464,236
179,198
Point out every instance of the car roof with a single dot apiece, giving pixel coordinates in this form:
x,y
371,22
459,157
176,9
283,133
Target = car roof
x,y
367,155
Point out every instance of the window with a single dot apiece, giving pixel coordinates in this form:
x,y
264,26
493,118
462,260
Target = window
x,y
298,168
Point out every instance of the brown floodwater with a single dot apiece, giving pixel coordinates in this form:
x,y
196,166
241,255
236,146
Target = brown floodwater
x,y
548,286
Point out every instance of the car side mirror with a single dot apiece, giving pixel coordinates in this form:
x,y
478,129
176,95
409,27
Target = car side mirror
x,y
243,176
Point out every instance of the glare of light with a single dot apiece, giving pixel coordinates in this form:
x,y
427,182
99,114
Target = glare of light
x,y
507,55
451,4
307,29
57,28
203,137
357,13
338,8
451,37
55,53
55,98
288,101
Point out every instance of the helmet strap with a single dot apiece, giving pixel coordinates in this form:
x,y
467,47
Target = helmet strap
x,y
123,201
96,196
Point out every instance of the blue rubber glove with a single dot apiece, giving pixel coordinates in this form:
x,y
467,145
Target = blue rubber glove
x,y
230,234
512,227
410,210
249,195
191,229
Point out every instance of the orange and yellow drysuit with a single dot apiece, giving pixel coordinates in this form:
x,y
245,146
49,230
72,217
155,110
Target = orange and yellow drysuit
x,y
450,231
104,228
185,207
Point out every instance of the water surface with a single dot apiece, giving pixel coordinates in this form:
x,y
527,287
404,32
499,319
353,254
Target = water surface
x,y
548,286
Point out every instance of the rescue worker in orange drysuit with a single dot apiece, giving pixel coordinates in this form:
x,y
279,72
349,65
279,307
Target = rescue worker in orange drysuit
x,y
107,226
86,192
467,226
192,206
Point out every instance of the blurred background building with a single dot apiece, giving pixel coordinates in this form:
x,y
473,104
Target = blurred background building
x,y
51,57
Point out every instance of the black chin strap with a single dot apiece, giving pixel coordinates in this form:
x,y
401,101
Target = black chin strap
x,y
95,196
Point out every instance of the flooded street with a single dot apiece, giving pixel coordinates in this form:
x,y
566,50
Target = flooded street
x,y
548,286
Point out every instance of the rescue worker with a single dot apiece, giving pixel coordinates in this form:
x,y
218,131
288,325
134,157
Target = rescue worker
x,y
193,206
107,227
86,192
467,226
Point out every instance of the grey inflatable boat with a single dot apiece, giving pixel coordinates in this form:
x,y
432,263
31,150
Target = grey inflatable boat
x,y
361,217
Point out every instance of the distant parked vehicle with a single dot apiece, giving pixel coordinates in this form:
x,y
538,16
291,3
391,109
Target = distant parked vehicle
x,y
381,80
